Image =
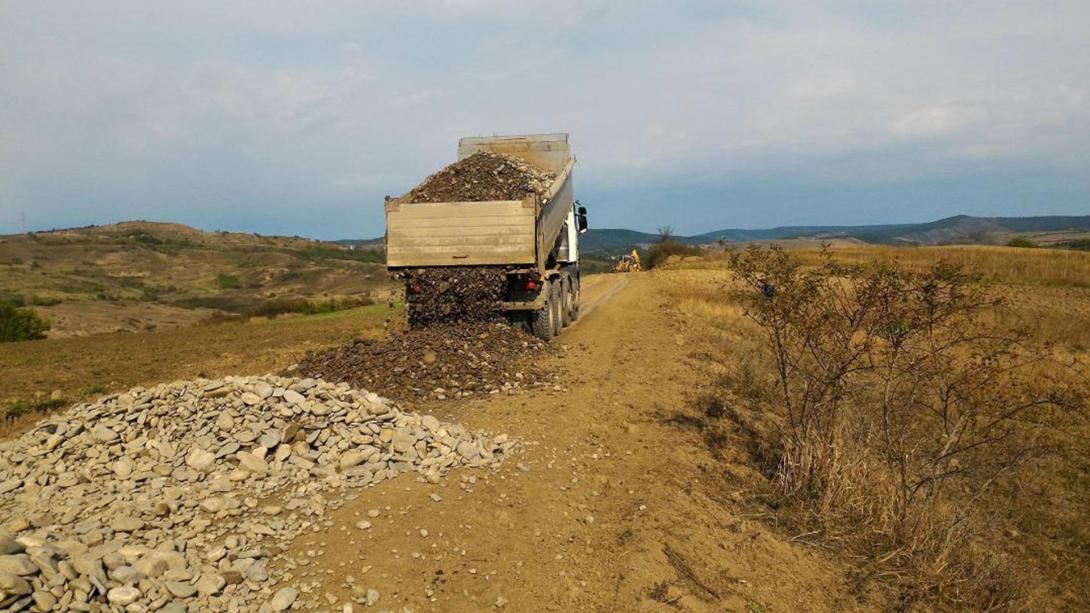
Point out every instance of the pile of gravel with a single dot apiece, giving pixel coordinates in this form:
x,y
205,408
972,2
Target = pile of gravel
x,y
153,499
483,176
438,362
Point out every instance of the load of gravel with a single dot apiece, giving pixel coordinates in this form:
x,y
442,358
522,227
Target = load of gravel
x,y
157,499
481,177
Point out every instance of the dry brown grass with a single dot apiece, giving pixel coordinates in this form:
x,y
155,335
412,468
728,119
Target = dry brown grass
x,y
998,264
79,369
1030,534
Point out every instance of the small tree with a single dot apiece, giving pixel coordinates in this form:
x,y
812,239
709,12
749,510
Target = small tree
x,y
17,324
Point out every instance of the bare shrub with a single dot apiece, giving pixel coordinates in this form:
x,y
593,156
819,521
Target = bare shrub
x,y
900,406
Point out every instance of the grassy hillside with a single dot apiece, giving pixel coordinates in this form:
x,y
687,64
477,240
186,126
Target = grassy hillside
x,y
144,275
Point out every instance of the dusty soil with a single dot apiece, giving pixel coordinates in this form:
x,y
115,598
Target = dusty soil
x,y
480,177
615,504
85,318
440,361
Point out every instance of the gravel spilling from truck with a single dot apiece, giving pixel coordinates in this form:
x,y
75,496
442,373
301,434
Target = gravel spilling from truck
x,y
455,293
440,362
483,176
161,498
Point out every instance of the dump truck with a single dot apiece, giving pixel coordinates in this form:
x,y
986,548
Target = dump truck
x,y
533,242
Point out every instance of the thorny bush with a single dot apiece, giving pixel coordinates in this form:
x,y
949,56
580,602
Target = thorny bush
x,y
899,406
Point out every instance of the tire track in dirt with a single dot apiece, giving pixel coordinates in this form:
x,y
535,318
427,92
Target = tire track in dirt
x,y
580,520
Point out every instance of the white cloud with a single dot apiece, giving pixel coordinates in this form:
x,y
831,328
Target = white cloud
x,y
201,110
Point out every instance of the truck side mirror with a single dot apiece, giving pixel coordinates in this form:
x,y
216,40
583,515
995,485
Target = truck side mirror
x,y
582,219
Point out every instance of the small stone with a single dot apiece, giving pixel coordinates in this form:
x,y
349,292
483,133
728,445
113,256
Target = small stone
x,y
294,397
103,434
284,598
210,584
180,589
126,524
17,564
122,468
8,544
123,595
10,485
364,525
44,601
199,459
14,585
352,458
252,463
468,450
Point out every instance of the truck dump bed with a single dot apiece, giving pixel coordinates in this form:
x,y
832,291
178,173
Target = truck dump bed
x,y
512,233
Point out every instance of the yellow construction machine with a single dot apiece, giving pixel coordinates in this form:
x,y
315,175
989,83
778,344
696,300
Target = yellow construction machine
x,y
628,263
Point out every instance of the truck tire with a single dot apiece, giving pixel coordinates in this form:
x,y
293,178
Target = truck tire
x,y
556,299
566,304
575,302
542,321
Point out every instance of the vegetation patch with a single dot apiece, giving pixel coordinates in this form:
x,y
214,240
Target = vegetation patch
x,y
899,409
20,324
284,306
22,407
228,281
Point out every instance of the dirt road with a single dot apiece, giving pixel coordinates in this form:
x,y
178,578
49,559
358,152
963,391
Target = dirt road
x,y
615,503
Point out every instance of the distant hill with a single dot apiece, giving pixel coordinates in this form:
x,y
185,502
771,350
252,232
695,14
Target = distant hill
x,y
957,229
139,274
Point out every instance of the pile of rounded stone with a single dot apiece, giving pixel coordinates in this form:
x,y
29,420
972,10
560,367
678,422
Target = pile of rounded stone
x,y
181,497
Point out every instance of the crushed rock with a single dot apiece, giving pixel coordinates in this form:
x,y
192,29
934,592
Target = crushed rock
x,y
150,499
451,294
481,177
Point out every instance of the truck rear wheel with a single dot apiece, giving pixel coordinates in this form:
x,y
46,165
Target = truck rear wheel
x,y
566,304
543,321
575,302
556,301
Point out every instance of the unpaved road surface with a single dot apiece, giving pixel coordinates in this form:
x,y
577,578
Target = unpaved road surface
x,y
613,504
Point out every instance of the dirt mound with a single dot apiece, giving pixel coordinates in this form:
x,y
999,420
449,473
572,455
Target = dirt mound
x,y
441,361
480,177
444,295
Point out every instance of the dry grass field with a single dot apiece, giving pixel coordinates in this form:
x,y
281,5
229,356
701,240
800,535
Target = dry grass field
x,y
52,373
1029,529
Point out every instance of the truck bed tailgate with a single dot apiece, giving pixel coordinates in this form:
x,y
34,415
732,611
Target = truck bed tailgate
x,y
460,233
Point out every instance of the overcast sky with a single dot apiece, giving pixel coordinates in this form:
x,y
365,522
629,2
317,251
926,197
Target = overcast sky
x,y
296,118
